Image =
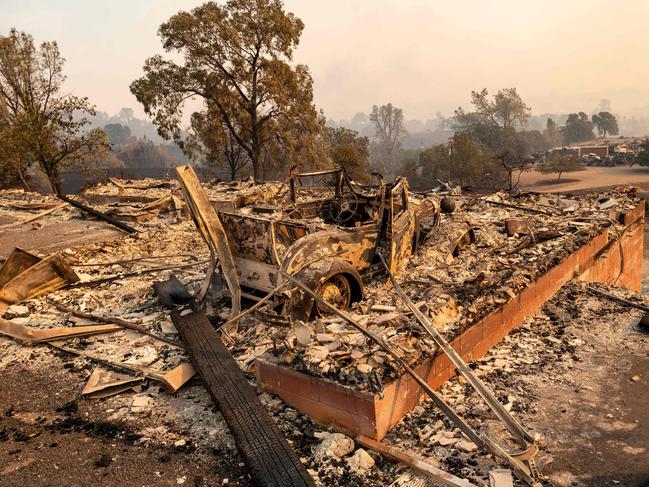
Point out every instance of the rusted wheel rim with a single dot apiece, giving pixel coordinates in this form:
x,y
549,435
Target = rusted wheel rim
x,y
337,292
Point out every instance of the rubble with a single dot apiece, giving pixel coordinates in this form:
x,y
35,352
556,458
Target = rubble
x,y
360,462
333,445
454,282
457,290
501,477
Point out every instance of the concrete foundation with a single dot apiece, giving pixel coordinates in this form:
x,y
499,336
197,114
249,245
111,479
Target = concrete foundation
x,y
608,258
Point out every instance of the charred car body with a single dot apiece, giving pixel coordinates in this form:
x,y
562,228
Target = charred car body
x,y
328,235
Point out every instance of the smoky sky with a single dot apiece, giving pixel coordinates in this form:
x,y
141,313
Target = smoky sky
x,y
423,56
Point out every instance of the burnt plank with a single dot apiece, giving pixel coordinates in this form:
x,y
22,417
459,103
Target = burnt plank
x,y
272,462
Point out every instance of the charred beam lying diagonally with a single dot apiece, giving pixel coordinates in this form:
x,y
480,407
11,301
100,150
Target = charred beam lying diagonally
x,y
526,473
254,306
517,207
140,272
617,299
438,476
116,321
98,214
270,459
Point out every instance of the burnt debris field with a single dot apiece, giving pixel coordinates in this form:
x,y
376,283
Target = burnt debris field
x,y
318,331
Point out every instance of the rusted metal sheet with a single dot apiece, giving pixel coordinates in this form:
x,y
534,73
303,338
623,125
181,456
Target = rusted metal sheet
x,y
402,227
355,246
208,223
249,237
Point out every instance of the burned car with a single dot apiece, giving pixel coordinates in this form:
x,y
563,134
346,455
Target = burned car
x,y
326,230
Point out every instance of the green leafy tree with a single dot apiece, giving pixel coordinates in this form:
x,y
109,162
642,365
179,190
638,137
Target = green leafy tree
x,y
535,140
468,159
578,128
118,134
552,134
560,163
236,58
45,126
211,139
13,163
389,130
143,153
434,164
494,122
643,155
606,123
348,149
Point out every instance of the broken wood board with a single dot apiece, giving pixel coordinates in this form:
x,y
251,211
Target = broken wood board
x,y
172,380
272,462
139,215
18,261
208,223
34,217
49,274
414,478
36,335
105,383
392,453
119,184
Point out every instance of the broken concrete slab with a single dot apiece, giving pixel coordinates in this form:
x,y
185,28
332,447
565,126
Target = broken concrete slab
x,y
360,462
335,445
501,477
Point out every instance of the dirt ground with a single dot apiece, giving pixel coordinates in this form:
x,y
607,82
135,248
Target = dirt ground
x,y
48,439
49,238
592,415
589,178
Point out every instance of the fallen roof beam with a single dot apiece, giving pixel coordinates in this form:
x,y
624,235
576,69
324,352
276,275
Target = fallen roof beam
x,y
271,460
437,476
98,214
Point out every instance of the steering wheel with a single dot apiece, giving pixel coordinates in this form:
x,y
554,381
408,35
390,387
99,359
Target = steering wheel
x,y
344,206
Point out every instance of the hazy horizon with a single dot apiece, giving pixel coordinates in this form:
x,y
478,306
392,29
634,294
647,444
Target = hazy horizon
x,y
422,57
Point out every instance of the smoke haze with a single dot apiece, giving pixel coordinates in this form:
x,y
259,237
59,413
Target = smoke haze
x,y
423,56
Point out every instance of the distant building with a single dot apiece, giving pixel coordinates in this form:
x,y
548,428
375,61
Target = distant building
x,y
598,150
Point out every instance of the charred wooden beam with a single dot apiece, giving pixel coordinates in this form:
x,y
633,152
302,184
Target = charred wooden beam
x,y
270,459
98,214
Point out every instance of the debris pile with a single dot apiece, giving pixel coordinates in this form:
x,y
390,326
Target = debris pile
x,y
516,240
102,309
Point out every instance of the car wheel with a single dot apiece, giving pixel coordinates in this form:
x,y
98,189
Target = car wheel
x,y
337,291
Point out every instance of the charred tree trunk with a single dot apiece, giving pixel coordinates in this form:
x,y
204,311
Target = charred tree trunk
x,y
54,178
23,180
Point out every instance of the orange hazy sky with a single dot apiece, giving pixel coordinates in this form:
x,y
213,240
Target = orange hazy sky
x,y
424,56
